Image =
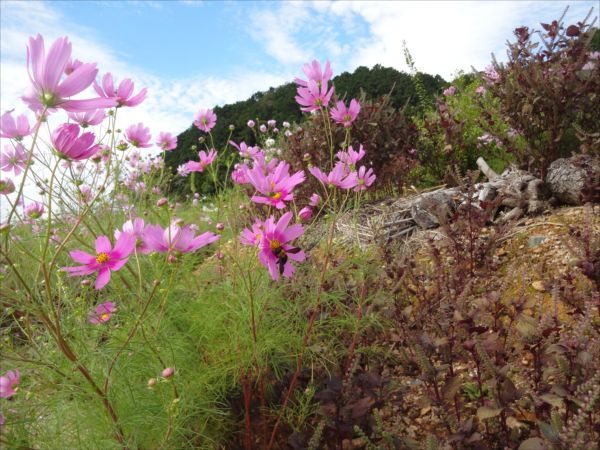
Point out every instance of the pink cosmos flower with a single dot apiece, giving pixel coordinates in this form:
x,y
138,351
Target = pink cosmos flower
x,y
271,123
253,236
315,199
313,72
166,141
6,186
135,228
88,118
107,258
205,160
238,174
102,313
8,381
450,91
276,186
305,213
13,158
345,116
275,251
34,210
67,142
350,158
263,128
138,135
365,178
338,177
182,170
85,193
72,65
251,123
123,94
245,150
205,119
46,72
481,90
313,97
175,238
11,129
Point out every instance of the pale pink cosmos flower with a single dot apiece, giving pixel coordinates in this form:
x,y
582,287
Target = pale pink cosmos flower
x,y
45,72
166,141
138,135
123,94
182,170
136,229
365,178
314,73
305,213
275,250
338,177
102,313
481,90
107,258
13,158
276,187
253,236
175,238
251,123
67,142
6,186
34,210
313,97
315,199
450,91
245,150
72,65
205,119
88,118
271,123
345,115
14,129
263,128
85,193
205,160
8,382
238,174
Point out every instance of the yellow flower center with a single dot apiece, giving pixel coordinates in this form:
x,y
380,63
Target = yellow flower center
x,y
102,258
105,316
277,195
275,244
347,118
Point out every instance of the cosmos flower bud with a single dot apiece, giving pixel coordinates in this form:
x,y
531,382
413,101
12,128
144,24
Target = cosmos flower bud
x,y
86,282
151,382
220,226
251,124
231,127
162,202
168,372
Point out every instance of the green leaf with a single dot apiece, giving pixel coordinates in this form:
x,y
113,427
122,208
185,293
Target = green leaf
x,y
553,399
486,412
549,432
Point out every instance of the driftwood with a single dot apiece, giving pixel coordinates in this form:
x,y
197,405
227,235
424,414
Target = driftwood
x,y
569,179
518,193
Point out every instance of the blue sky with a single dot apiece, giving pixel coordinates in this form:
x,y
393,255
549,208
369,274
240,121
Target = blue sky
x,y
195,55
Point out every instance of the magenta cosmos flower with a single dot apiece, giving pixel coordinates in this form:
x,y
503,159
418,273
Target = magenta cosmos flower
x,y
345,116
107,258
276,187
314,72
70,145
88,118
206,159
275,251
305,213
166,141
8,381
102,313
351,157
13,158
14,129
313,97
138,135
338,177
123,95
253,236
46,71
205,119
175,239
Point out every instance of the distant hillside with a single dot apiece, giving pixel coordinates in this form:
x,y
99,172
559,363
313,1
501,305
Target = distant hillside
x,y
278,103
